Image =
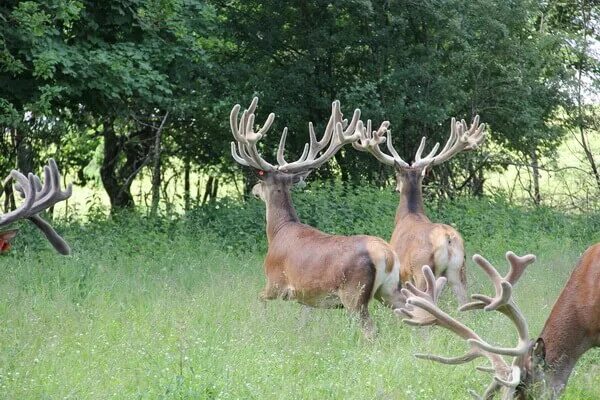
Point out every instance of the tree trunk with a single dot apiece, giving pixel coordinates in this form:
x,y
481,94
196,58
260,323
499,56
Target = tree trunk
x,y
9,197
156,167
477,182
120,196
590,156
215,188
537,197
249,182
345,174
24,153
186,183
207,190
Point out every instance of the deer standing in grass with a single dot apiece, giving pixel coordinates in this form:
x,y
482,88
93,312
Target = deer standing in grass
x,y
416,239
540,369
37,198
303,263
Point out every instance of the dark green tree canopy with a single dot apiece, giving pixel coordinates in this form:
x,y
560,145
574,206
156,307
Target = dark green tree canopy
x,y
78,74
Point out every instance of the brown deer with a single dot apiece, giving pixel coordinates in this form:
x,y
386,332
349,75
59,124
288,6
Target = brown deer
x,y
37,198
541,368
416,239
303,263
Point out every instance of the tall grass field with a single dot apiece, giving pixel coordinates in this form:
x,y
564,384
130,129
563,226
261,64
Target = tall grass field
x,y
168,309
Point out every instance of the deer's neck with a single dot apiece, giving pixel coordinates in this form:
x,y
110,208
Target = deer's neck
x,y
565,341
280,211
411,199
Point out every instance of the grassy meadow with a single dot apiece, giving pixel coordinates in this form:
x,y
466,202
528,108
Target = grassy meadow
x,y
161,309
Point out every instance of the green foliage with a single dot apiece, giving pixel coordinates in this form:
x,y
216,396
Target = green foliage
x,y
68,67
348,210
413,65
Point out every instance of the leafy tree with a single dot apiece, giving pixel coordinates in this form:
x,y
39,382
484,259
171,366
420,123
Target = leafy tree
x,y
116,65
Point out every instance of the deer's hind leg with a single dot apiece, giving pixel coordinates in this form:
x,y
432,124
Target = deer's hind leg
x,y
270,292
458,282
355,296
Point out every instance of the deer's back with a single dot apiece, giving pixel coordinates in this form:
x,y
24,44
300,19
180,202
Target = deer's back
x,y
305,257
583,290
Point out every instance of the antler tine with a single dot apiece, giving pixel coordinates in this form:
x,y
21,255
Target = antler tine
x,y
462,137
246,153
428,159
26,187
503,301
503,289
517,266
465,358
370,141
336,116
337,133
281,147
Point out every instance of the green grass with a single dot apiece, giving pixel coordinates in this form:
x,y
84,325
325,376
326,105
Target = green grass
x,y
169,310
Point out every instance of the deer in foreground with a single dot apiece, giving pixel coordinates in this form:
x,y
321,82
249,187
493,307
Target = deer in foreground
x,y
416,239
540,368
303,263
37,197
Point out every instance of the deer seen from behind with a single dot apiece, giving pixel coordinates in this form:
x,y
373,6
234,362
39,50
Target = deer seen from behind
x,y
539,369
303,263
416,239
37,197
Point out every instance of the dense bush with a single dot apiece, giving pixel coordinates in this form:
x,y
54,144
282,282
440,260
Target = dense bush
x,y
486,224
367,210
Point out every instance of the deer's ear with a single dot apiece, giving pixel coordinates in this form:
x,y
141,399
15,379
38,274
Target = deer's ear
x,y
539,351
298,179
8,235
5,238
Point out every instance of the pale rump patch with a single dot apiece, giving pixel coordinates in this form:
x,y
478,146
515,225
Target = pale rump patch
x,y
387,268
448,251
378,255
391,281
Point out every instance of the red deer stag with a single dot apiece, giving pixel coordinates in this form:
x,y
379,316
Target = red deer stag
x,y
540,369
416,239
37,198
303,263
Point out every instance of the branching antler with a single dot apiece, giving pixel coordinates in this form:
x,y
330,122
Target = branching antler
x,y
246,138
462,137
38,197
337,133
422,309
